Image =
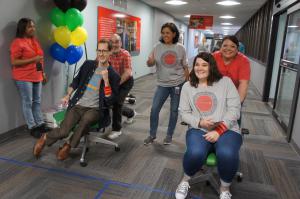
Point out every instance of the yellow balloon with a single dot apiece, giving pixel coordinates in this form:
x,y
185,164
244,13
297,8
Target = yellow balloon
x,y
62,36
78,36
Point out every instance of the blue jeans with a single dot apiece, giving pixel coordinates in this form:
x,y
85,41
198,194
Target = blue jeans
x,y
31,102
226,148
160,96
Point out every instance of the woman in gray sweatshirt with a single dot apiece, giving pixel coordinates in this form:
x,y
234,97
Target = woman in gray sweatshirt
x,y
210,105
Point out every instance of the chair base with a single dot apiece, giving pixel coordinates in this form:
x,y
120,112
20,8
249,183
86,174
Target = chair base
x,y
95,139
208,178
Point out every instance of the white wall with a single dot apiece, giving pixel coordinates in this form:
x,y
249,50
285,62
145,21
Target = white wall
x,y
258,71
10,104
134,8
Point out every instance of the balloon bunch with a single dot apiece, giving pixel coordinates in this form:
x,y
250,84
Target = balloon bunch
x,y
69,35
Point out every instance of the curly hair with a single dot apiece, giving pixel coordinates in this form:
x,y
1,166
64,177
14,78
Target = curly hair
x,y
213,73
173,29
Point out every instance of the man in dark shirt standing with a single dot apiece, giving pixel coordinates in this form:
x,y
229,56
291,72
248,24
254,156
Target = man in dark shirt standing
x,y
96,88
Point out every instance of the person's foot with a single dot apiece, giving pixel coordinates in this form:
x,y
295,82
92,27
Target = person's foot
x,y
129,120
168,140
63,153
39,145
114,134
149,140
225,195
182,190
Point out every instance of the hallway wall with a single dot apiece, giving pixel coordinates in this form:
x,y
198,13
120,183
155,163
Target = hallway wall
x,y
12,10
258,71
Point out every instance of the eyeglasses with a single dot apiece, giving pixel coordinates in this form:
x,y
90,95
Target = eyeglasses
x,y
102,51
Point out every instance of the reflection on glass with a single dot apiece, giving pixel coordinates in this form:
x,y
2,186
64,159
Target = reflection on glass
x,y
292,41
285,94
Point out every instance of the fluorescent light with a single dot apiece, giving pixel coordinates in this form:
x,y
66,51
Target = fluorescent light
x,y
176,2
227,17
226,24
226,28
119,15
187,16
293,26
228,3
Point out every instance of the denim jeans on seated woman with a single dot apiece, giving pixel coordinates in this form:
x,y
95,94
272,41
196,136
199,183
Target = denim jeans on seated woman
x,y
226,148
31,102
160,97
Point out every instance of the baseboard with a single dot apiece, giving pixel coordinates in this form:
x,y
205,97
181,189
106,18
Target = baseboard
x,y
12,133
295,146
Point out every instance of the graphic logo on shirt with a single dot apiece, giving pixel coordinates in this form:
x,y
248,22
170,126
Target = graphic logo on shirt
x,y
94,83
205,102
169,59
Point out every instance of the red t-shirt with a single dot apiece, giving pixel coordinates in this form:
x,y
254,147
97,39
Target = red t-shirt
x,y
120,61
25,48
237,69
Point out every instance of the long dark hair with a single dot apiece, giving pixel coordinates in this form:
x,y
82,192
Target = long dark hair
x,y
173,29
21,27
213,73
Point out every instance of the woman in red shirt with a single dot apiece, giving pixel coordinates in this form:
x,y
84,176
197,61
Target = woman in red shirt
x,y
27,70
233,64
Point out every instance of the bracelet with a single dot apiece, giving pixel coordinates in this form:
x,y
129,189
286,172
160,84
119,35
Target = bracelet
x,y
107,90
221,128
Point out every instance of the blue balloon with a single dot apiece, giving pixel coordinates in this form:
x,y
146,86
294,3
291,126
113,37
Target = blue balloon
x,y
74,53
58,52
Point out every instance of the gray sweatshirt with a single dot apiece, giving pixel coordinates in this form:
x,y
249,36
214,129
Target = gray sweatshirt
x,y
220,102
170,61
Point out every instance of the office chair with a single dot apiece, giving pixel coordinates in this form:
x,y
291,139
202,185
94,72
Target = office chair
x,y
209,169
88,138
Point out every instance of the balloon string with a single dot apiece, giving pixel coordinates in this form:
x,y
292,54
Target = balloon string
x,y
85,51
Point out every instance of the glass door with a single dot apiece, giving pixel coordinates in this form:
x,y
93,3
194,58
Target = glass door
x,y
286,94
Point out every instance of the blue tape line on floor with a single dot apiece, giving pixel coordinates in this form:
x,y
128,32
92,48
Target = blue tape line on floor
x,y
105,187
74,174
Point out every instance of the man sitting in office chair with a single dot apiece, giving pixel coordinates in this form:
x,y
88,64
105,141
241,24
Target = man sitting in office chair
x,y
96,88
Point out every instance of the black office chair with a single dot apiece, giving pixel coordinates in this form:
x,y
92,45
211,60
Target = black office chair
x,y
88,138
206,174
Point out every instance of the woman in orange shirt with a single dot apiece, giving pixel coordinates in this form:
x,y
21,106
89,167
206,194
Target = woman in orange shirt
x,y
27,70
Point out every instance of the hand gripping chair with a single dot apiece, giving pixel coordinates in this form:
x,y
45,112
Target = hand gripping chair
x,y
88,138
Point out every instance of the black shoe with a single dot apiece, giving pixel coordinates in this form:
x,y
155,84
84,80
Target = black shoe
x,y
44,128
35,132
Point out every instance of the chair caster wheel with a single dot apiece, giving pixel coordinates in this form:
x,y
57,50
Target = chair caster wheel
x,y
87,149
207,183
239,177
83,164
117,148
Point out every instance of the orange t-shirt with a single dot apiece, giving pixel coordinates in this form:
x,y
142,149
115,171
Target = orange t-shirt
x,y
25,48
237,69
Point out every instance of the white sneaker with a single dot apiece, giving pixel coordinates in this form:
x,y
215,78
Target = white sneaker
x,y
129,120
114,134
225,195
182,190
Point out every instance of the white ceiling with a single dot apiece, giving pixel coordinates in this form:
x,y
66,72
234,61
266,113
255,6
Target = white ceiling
x,y
242,12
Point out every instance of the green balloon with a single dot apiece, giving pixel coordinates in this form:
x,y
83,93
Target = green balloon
x,y
57,17
73,18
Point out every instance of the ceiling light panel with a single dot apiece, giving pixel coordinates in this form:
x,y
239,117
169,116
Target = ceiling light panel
x,y
176,2
228,3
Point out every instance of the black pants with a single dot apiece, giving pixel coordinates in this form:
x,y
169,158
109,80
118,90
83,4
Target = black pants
x,y
119,109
